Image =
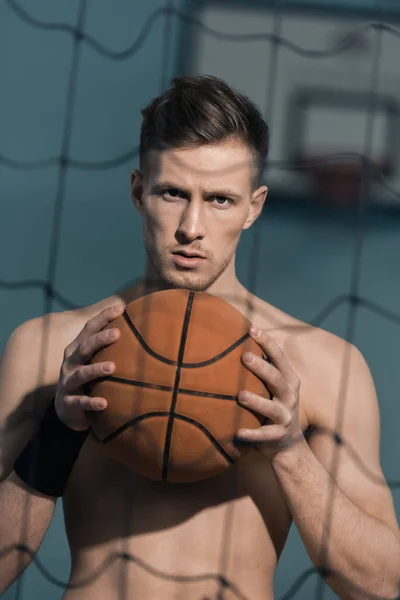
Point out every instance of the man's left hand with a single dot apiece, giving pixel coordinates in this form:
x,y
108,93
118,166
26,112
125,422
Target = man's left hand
x,y
282,410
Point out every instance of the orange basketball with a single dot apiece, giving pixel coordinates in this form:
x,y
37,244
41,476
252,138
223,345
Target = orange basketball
x,y
172,411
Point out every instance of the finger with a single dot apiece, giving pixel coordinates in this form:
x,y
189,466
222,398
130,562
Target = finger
x,y
87,373
266,434
88,347
99,321
276,355
95,324
272,377
274,410
86,402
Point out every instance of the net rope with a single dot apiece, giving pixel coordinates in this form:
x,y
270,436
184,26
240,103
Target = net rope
x,y
353,300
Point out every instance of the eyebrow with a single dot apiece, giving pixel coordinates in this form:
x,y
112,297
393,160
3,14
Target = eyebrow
x,y
157,187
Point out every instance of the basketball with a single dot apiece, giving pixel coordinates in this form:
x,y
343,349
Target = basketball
x,y
172,411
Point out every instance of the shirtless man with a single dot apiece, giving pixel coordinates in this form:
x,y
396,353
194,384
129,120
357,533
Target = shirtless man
x,y
198,188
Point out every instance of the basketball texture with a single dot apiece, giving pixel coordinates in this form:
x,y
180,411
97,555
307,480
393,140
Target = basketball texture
x,y
172,411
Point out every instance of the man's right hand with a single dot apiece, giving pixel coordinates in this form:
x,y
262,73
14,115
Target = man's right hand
x,y
71,402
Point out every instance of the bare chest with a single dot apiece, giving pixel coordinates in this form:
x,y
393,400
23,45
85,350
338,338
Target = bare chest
x,y
172,539
170,534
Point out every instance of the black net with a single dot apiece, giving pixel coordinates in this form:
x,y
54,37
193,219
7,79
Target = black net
x,y
64,162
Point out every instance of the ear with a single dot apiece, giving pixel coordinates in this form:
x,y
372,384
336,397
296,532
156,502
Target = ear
x,y
137,190
256,205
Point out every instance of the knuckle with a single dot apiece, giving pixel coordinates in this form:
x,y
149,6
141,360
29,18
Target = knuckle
x,y
105,316
98,369
67,353
276,435
80,375
261,335
275,378
96,342
91,373
87,325
273,412
68,401
113,311
249,398
70,383
281,437
75,380
62,387
288,421
84,401
83,350
64,372
105,335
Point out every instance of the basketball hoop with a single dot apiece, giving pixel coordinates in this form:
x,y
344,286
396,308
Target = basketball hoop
x,y
339,183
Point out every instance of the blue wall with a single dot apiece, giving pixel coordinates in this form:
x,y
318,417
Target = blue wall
x,y
306,258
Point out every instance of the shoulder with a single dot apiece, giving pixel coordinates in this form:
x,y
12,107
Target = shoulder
x,y
35,347
38,344
338,380
321,359
50,329
306,343
58,328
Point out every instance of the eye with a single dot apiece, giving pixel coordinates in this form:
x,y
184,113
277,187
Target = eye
x,y
222,201
171,192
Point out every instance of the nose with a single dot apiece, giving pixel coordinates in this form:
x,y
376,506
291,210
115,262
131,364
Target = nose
x,y
192,226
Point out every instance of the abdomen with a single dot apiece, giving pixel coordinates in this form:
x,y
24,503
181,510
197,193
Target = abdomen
x,y
135,538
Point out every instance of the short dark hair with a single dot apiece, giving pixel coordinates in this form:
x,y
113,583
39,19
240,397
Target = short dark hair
x,y
202,109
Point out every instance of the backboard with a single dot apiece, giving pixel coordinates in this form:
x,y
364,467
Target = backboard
x,y
331,86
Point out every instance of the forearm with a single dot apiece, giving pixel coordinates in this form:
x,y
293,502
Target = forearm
x,y
24,520
362,553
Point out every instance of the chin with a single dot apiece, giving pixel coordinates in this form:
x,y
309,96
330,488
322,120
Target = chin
x,y
187,279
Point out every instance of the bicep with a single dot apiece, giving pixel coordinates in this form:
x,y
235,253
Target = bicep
x,y
23,393
353,457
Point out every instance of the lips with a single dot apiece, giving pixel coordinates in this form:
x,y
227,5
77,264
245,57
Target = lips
x,y
187,255
187,261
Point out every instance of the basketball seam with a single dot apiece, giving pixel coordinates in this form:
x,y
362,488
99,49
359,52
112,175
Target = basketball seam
x,y
131,423
168,361
178,416
166,388
136,383
210,436
168,436
218,357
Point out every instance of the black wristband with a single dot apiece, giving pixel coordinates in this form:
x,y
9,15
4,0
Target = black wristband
x,y
48,459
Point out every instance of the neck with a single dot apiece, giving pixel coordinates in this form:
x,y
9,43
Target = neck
x,y
227,287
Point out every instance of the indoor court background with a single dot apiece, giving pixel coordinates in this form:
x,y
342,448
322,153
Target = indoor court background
x,y
70,122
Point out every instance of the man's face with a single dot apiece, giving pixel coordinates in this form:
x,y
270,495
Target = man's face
x,y
196,201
